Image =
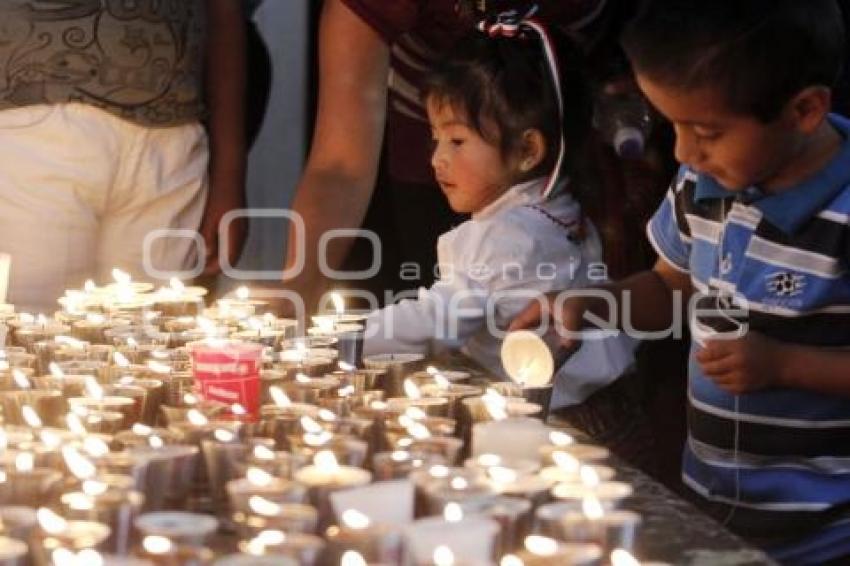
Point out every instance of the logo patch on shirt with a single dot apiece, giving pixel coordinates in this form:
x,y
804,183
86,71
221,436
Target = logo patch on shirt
x,y
785,284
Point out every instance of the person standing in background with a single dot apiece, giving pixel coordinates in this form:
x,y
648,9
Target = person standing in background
x,y
369,162
101,112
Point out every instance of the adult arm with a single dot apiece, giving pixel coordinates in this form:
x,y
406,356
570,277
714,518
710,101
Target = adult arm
x,y
341,169
225,88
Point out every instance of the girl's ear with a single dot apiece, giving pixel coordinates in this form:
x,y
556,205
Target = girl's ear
x,y
532,150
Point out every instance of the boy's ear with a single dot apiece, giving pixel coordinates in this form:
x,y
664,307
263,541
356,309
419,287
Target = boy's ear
x,y
810,107
533,149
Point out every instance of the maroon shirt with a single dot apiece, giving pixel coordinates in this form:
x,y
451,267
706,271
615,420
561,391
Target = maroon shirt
x,y
418,32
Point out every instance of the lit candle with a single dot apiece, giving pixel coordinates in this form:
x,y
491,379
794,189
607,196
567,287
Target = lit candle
x,y
544,551
375,543
326,476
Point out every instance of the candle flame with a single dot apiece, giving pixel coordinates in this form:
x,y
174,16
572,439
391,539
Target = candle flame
x,y
75,425
89,286
592,508
416,413
140,429
622,557
30,417
317,439
346,391
223,435
310,425
271,537
55,370
438,471
442,382
25,462
495,404
339,304
190,399
418,431
262,506
120,277
158,367
412,390
95,447
452,512
197,418
352,558
50,522
488,460
560,439
279,398
258,477
346,367
263,453
378,406
589,477
121,360
238,409
400,455
565,461
155,442
541,546
459,483
301,378
511,560
242,293
326,461
443,556
155,544
93,388
131,342
79,465
327,415
94,488
21,379
177,285
502,475
354,519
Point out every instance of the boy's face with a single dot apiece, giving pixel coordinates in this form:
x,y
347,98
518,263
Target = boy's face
x,y
738,151
470,170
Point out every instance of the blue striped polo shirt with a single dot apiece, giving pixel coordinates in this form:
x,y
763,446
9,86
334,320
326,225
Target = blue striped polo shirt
x,y
774,463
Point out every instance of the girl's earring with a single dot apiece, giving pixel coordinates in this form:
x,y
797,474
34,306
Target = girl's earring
x,y
526,165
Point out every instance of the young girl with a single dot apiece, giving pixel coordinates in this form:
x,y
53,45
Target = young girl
x,y
494,112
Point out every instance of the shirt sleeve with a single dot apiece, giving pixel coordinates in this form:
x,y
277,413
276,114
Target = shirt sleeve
x,y
667,230
389,19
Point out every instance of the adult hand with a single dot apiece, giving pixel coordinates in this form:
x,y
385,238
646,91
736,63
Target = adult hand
x,y
223,200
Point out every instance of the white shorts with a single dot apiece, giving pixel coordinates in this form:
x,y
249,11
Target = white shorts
x,y
80,189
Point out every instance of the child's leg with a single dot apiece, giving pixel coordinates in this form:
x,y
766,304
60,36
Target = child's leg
x,y
161,189
54,166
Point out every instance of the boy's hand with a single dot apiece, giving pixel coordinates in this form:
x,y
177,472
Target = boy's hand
x,y
742,365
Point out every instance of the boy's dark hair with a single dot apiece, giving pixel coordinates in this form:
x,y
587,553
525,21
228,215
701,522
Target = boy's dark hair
x,y
757,53
506,83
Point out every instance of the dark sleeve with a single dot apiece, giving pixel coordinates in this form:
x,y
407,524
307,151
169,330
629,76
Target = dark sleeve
x,y
389,18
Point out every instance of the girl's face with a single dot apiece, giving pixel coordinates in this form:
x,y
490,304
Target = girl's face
x,y
471,171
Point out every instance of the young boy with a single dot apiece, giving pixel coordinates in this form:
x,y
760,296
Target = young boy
x,y
757,217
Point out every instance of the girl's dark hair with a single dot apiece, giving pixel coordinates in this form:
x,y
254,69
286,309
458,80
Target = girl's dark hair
x,y
504,87
758,53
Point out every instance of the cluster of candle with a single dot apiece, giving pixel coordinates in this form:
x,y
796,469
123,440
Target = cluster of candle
x,y
140,423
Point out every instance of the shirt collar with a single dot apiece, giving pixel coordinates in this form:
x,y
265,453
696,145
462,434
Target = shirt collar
x,y
791,208
521,194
